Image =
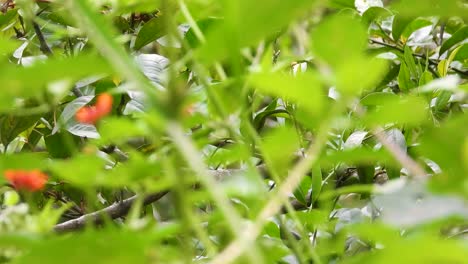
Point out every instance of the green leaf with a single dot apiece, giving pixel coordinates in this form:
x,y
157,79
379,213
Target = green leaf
x,y
404,78
446,8
360,74
462,54
426,78
108,246
317,179
24,161
239,29
414,25
398,26
406,110
151,31
379,98
7,17
7,46
409,61
42,73
410,251
375,13
278,148
205,25
328,38
445,146
342,4
118,130
304,89
460,35
11,126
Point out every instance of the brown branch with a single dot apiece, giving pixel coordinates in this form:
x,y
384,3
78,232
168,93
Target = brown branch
x,y
113,211
120,209
432,62
42,41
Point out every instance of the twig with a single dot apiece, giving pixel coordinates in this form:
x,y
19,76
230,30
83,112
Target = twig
x,y
114,211
431,61
43,44
120,209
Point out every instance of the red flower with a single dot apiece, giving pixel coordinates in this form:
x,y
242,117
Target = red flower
x,y
32,181
91,114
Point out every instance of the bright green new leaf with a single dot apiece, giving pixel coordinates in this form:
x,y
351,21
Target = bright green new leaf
x,y
108,246
279,147
304,89
360,74
411,8
338,39
42,73
406,110
245,24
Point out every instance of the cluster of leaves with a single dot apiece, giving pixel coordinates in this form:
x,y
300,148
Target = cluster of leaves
x,y
268,131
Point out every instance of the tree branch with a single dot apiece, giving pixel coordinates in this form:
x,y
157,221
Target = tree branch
x,y
120,209
431,61
113,211
42,41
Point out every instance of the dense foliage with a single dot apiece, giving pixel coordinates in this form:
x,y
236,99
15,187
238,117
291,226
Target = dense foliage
x,y
267,131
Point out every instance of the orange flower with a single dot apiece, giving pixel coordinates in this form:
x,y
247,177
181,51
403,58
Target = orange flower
x,y
92,114
32,181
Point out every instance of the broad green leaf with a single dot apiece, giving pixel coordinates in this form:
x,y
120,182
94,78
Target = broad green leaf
x,y
317,181
374,13
414,25
426,78
342,3
304,89
462,54
409,60
404,78
75,172
11,126
42,73
151,31
108,246
61,145
361,156
118,130
205,25
279,147
23,161
406,110
7,46
361,74
460,35
379,98
328,38
7,17
442,67
411,251
444,146
240,29
444,8
398,26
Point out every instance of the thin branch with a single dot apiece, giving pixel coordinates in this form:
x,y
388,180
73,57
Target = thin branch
x,y
113,211
42,41
432,62
120,209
